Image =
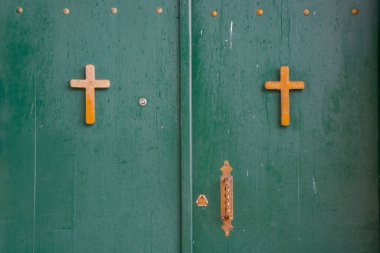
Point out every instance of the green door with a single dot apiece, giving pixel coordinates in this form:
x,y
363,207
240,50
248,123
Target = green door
x,y
187,92
308,187
113,186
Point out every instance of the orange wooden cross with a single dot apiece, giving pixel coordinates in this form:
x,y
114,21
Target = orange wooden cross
x,y
284,85
90,84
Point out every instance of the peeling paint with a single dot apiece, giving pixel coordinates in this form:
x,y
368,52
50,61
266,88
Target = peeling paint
x,y
231,33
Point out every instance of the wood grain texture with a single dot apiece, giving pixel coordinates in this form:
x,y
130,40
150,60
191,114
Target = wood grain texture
x,y
284,86
90,84
111,187
186,127
310,187
116,187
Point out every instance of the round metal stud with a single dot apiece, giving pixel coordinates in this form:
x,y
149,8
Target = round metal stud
x,y
19,10
214,13
355,11
158,10
66,11
259,12
113,10
306,12
143,101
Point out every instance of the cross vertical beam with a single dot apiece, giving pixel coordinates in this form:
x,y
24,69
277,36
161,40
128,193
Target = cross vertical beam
x,y
90,84
284,86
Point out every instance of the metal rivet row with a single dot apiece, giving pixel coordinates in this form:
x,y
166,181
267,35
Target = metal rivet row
x,y
214,13
66,11
306,12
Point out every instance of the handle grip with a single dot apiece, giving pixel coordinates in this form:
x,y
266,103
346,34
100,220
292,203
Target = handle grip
x,y
226,198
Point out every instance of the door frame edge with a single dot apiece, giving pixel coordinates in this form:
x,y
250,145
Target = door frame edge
x,y
185,45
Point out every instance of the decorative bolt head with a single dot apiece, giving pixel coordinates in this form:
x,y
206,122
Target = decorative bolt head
x,y
214,13
158,10
306,12
259,12
19,10
66,11
113,10
355,11
143,101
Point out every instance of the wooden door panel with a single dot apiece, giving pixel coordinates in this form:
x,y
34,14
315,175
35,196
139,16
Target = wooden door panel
x,y
110,187
309,187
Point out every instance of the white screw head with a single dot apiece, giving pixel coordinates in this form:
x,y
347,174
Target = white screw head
x,y
158,10
143,101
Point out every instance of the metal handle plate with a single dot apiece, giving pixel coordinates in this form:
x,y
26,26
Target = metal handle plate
x,y
226,198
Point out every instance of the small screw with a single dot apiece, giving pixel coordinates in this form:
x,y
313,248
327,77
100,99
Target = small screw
x,y
19,10
306,12
66,11
355,11
214,13
143,101
113,10
158,10
259,12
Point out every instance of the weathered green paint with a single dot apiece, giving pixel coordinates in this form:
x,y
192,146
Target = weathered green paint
x,y
116,186
186,128
310,187
110,187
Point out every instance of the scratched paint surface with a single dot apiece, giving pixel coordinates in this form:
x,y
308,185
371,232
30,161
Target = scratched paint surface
x,y
68,187
310,187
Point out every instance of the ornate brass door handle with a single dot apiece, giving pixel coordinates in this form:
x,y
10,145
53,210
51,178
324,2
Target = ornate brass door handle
x,y
226,198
